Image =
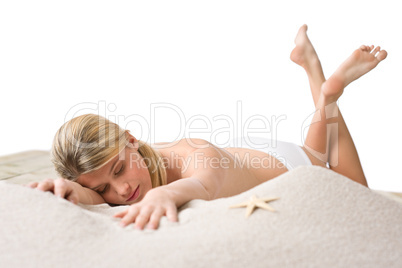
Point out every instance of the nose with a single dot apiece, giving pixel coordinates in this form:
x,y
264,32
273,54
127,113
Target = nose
x,y
122,189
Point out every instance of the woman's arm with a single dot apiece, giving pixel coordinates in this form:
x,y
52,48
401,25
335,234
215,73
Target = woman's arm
x,y
69,190
86,195
187,189
204,173
163,200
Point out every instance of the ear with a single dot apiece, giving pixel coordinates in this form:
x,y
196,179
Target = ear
x,y
133,142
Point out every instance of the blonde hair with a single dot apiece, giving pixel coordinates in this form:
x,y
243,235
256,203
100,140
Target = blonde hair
x,y
88,142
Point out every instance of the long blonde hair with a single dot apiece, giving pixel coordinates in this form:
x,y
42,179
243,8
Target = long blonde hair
x,y
87,142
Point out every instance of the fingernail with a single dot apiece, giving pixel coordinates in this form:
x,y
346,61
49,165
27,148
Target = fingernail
x,y
122,224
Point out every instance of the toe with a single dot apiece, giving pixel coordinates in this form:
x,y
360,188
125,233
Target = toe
x,y
303,28
302,31
382,55
366,48
376,50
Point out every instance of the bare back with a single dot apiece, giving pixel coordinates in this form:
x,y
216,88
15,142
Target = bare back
x,y
245,168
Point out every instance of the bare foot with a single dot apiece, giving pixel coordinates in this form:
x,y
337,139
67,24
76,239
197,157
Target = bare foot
x,y
359,63
304,53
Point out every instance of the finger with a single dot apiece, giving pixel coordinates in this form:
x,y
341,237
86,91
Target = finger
x,y
121,214
46,185
60,188
32,184
155,219
143,218
130,217
171,214
73,197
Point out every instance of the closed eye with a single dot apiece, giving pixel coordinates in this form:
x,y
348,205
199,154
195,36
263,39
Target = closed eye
x,y
120,170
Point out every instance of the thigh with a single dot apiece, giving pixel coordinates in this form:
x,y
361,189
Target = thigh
x,y
315,161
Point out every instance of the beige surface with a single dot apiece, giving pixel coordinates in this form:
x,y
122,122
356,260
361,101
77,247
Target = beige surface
x,y
26,166
322,219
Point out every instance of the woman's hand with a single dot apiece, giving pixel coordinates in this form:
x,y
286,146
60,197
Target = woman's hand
x,y
59,187
156,203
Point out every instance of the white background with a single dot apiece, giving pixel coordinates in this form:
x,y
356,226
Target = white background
x,y
59,59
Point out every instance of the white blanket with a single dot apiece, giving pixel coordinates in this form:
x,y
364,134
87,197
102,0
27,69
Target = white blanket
x,y
322,220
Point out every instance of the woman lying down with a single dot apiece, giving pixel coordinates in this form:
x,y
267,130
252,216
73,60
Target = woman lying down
x,y
100,162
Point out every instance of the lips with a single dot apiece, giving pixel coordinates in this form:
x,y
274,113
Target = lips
x,y
135,194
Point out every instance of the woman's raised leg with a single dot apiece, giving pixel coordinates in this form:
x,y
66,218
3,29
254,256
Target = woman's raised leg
x,y
328,138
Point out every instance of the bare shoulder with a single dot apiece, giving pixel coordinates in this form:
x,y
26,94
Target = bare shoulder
x,y
182,147
177,154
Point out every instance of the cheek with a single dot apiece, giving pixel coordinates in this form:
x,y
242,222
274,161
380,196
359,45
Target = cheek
x,y
145,174
110,197
139,170
143,177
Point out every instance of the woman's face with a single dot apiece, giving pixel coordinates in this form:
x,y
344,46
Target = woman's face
x,y
124,180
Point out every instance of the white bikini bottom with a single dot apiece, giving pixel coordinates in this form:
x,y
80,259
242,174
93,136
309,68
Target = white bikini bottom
x,y
290,154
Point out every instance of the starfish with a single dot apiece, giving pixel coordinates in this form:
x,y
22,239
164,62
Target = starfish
x,y
255,202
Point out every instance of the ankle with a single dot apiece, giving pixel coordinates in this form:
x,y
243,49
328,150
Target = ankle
x,y
312,65
327,105
332,89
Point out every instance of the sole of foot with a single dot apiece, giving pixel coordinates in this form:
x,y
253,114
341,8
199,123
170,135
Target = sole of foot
x,y
362,60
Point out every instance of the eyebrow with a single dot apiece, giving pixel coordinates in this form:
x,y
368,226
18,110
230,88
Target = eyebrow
x,y
111,170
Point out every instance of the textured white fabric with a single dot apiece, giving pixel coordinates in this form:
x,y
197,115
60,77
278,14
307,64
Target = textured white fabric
x,y
323,220
290,154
